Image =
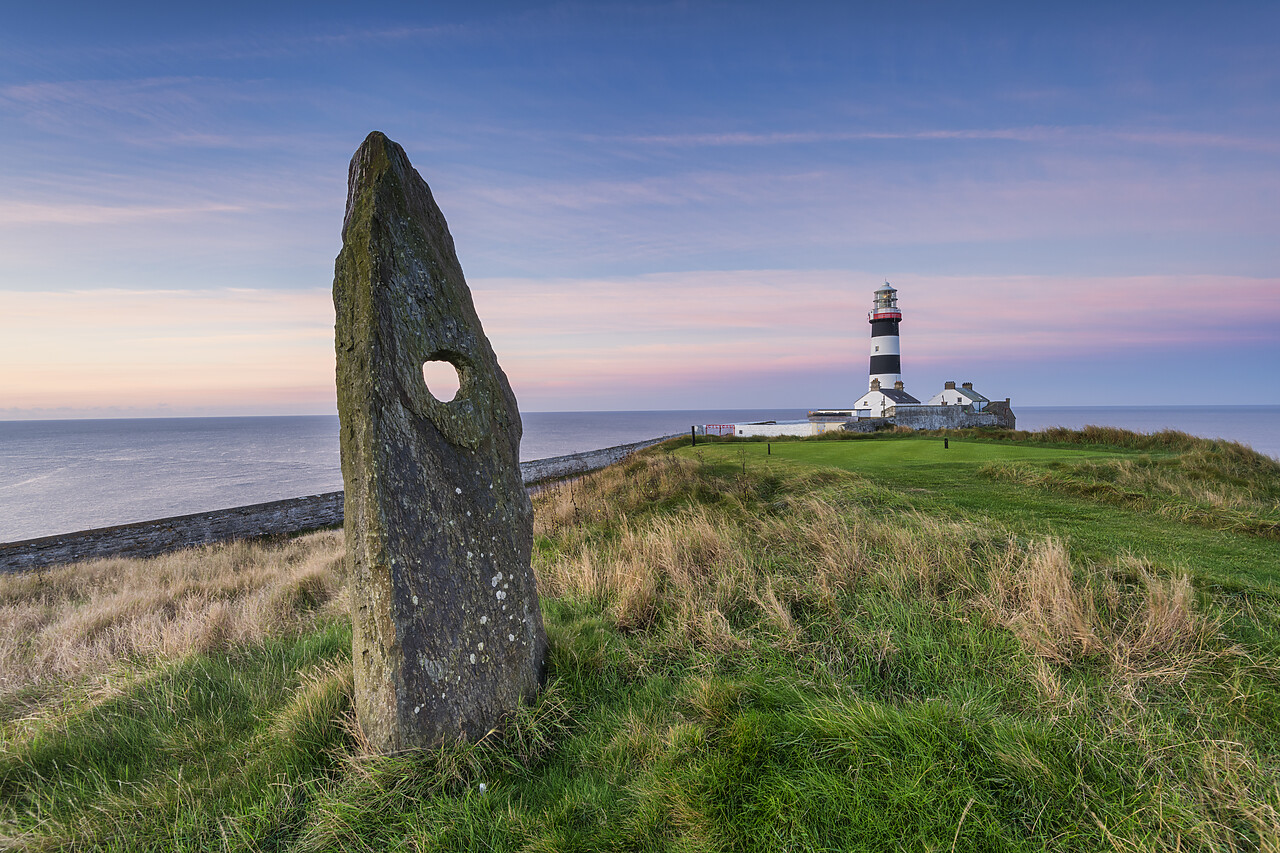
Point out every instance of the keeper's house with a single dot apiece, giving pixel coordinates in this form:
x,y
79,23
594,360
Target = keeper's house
x,y
878,401
962,396
955,408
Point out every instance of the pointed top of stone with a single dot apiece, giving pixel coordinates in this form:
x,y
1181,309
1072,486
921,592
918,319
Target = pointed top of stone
x,y
380,162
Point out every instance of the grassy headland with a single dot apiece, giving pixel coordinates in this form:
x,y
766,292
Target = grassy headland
x,y
1048,641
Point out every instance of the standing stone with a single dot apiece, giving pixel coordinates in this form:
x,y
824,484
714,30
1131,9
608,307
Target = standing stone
x,y
447,632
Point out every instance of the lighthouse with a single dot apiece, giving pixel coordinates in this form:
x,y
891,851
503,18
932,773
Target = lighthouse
x,y
886,357
885,391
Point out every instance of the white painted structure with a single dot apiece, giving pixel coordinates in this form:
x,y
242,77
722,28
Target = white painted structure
x,y
775,428
842,414
878,401
962,396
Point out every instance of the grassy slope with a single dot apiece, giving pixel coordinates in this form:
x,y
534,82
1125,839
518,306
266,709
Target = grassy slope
x,y
851,645
958,482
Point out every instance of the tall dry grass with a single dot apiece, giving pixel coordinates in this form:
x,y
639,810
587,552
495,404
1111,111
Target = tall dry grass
x,y
1147,629
1228,488
686,572
635,486
83,619
710,577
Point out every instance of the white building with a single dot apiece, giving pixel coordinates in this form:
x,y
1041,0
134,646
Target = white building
x,y
773,429
962,396
877,401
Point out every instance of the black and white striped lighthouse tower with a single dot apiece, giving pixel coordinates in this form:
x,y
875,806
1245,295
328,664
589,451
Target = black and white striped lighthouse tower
x,y
886,358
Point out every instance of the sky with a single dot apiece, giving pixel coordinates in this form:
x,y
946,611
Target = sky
x,y
659,205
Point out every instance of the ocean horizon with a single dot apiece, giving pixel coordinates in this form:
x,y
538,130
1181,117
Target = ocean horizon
x,y
63,476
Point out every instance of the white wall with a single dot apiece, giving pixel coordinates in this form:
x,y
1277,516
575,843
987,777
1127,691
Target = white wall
x,y
802,428
875,401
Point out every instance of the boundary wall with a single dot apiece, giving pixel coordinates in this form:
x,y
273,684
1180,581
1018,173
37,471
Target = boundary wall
x,y
285,517
943,417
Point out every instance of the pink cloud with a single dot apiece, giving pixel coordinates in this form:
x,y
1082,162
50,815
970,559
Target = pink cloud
x,y
660,336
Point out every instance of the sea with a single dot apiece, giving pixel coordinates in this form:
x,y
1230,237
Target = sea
x,y
69,475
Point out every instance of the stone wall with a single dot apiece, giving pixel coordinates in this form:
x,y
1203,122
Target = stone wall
x,y
148,538
294,515
867,424
559,467
942,417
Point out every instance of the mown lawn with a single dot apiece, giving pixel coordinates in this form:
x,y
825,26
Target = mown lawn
x,y
839,645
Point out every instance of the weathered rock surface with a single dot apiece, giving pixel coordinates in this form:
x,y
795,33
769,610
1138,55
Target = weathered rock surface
x,y
448,635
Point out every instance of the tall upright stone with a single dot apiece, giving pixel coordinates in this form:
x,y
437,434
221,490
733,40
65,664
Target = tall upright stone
x,y
447,632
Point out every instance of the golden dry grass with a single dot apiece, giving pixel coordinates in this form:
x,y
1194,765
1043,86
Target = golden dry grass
x,y
1147,629
1215,485
82,619
691,570
627,488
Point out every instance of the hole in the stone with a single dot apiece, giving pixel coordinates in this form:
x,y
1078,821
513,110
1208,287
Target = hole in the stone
x,y
442,380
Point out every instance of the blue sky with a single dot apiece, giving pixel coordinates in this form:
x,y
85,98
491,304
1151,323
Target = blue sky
x,y
658,205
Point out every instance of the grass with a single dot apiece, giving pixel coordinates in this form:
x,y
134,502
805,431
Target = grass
x,y
820,645
1063,490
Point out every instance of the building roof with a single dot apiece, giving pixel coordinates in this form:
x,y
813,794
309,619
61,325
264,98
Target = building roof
x,y
898,396
963,393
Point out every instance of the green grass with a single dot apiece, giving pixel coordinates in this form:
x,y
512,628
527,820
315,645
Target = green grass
x,y
836,645
958,482
183,747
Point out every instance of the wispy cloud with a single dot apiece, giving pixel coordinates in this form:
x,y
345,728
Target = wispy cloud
x,y
707,216
260,44
1043,134
163,101
26,213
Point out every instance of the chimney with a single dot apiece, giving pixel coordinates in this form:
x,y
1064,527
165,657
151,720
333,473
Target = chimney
x,y
967,385
897,386
875,384
951,386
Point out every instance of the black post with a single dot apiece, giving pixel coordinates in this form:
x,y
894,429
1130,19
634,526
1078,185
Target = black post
x,y
769,448
946,444
693,433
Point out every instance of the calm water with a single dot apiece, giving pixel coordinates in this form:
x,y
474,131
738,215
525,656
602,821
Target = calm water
x,y
62,476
